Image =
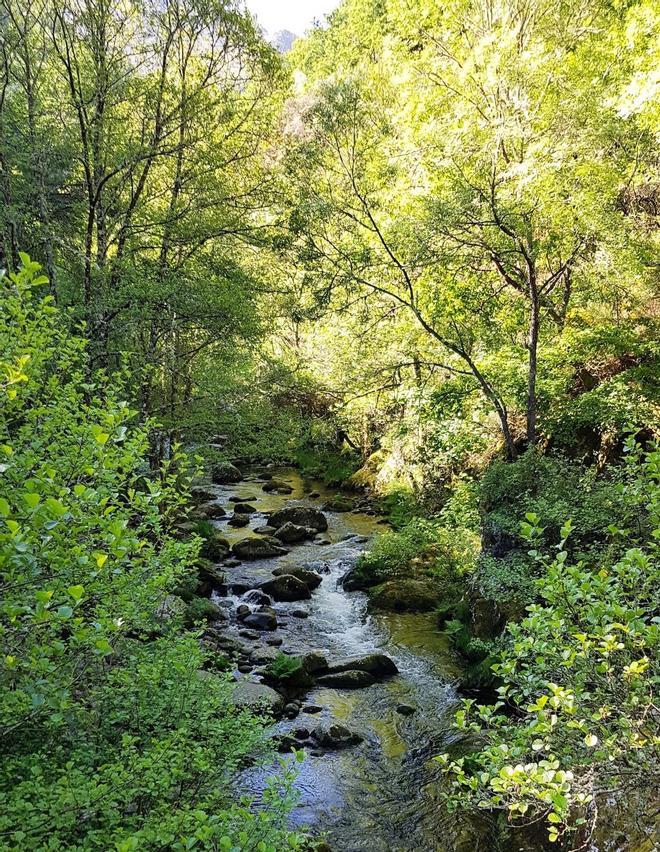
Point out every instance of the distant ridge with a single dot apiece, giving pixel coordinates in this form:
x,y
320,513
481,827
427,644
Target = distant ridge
x,y
283,40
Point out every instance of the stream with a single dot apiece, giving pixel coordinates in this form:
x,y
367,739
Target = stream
x,y
382,794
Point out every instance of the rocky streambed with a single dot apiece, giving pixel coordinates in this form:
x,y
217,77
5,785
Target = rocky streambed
x,y
368,695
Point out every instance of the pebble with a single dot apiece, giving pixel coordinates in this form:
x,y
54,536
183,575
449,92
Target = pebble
x,y
291,710
245,668
406,709
312,708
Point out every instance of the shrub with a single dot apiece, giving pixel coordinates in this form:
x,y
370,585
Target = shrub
x,y
110,738
579,673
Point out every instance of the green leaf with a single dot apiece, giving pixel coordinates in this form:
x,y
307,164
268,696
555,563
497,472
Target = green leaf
x,y
76,592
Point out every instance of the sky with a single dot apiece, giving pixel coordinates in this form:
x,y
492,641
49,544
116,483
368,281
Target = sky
x,y
294,15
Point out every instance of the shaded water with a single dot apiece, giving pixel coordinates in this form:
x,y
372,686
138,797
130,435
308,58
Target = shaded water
x,y
384,793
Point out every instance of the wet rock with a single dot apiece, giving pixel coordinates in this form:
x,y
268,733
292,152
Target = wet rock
x,y
286,587
285,743
210,574
225,472
202,493
303,516
277,485
257,697
335,736
339,504
232,563
356,580
236,498
214,548
347,680
301,733
291,711
265,530
405,709
258,598
263,655
265,476
239,520
314,495
210,511
244,668
240,586
243,509
378,665
312,708
256,548
310,578
313,662
323,541
299,613
291,533
275,641
262,620
406,595
248,634
242,611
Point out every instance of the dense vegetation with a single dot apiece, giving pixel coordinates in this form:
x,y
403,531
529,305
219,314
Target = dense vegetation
x,y
417,256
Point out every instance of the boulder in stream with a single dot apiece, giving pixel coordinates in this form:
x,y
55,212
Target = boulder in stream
x,y
263,619
277,485
265,530
303,516
310,578
257,597
286,587
376,664
406,595
335,736
202,493
210,511
225,472
256,548
257,697
291,533
239,520
352,679
244,509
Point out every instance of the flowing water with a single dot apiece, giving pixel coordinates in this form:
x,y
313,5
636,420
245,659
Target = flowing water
x,y
384,793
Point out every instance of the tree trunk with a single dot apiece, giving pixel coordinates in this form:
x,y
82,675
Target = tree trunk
x,y
532,346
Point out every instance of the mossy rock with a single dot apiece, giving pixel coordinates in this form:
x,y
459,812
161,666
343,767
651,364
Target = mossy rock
x,y
214,548
339,504
202,609
406,595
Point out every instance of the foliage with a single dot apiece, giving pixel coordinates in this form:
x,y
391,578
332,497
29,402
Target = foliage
x,y
577,718
283,667
444,547
111,739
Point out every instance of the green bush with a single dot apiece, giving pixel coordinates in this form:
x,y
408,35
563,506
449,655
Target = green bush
x,y
110,737
554,489
577,715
